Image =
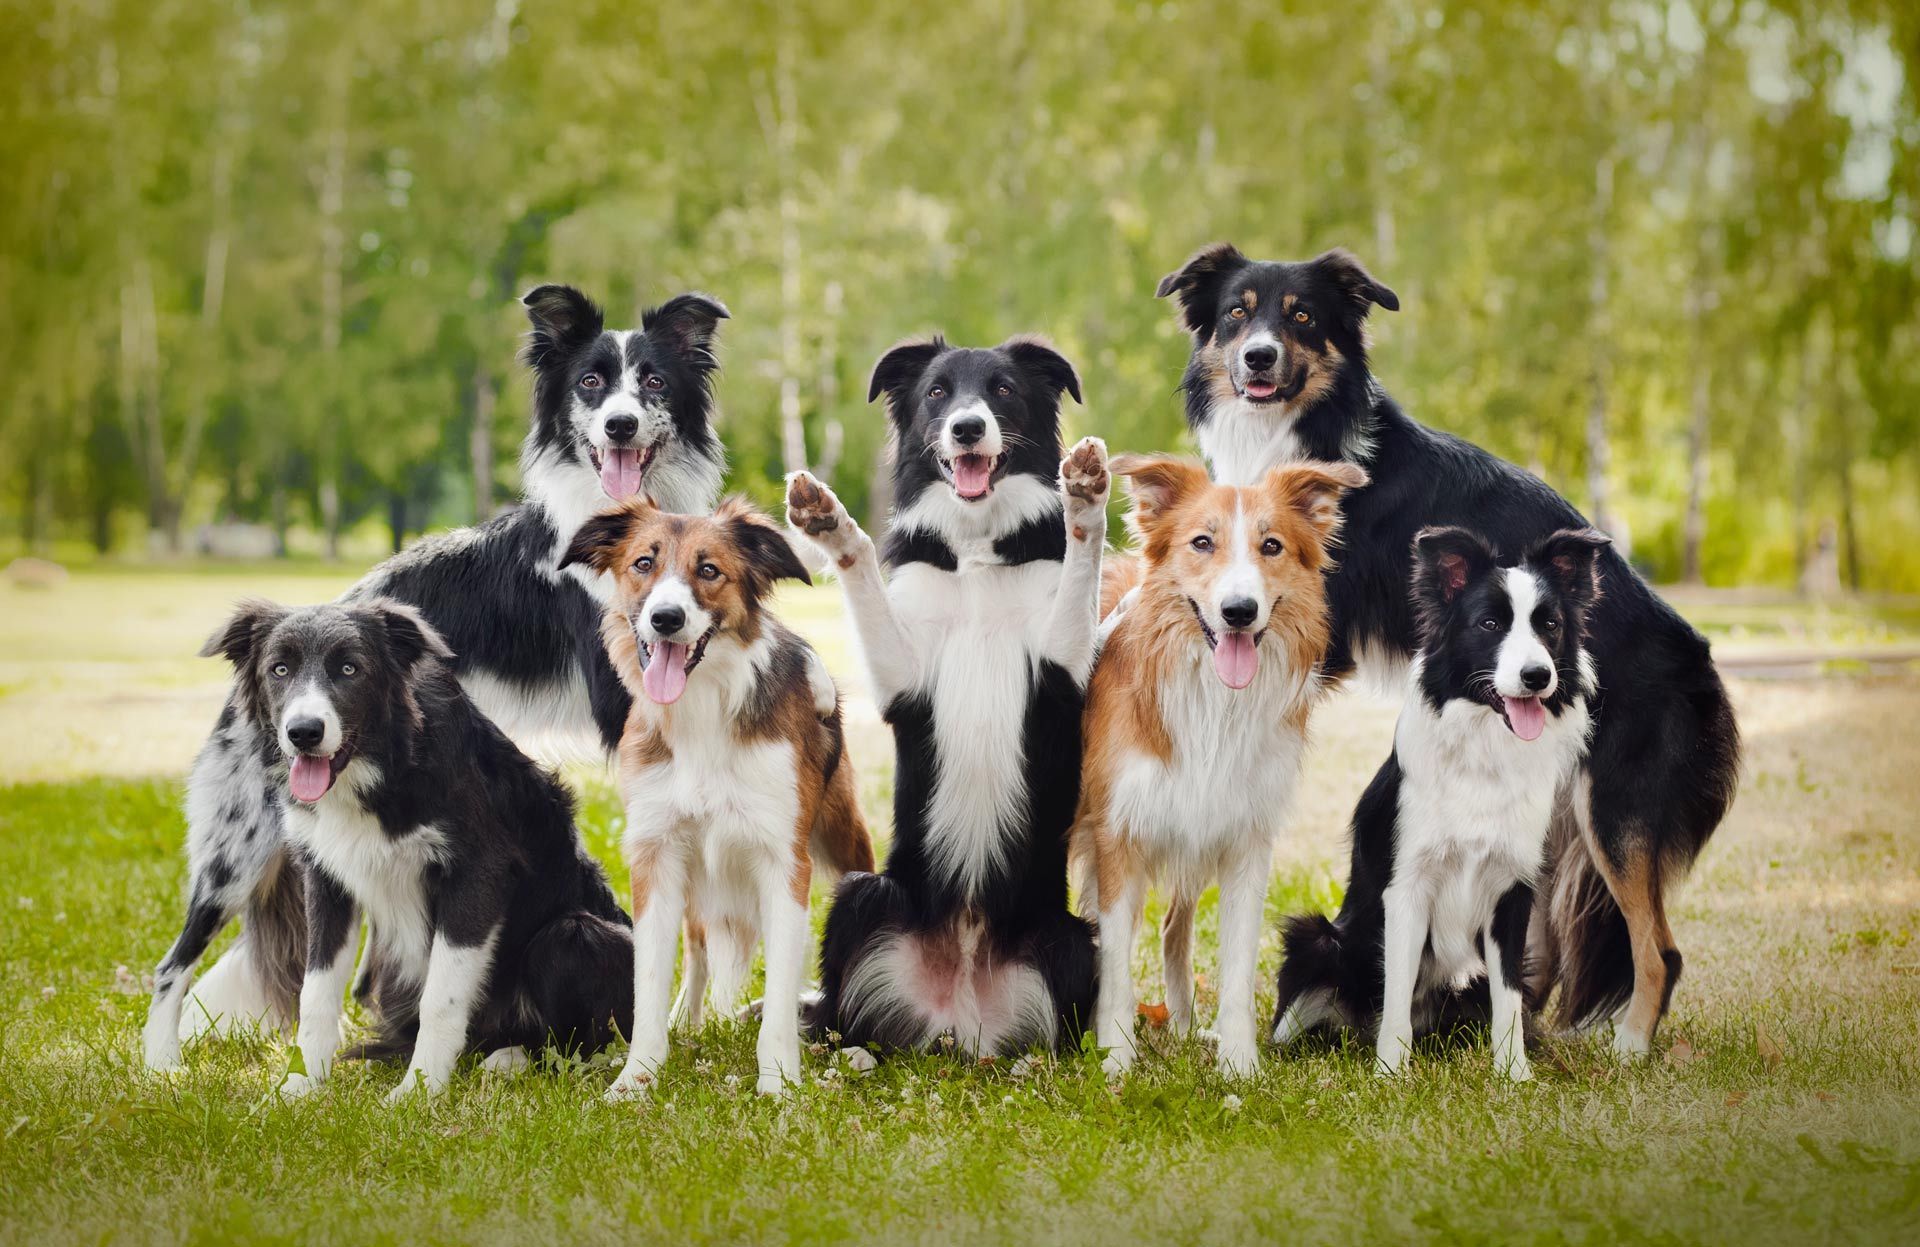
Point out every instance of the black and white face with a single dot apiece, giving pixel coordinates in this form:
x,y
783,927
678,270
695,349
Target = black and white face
x,y
967,419
323,680
1508,635
627,401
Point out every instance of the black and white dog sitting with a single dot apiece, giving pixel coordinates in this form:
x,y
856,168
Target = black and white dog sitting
x,y
978,642
1278,374
496,930
616,414
1451,835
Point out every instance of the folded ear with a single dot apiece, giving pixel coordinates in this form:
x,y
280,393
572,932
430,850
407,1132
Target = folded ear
x,y
1037,358
687,323
1197,283
598,541
1314,490
240,636
1359,286
1157,483
1568,556
899,368
1446,561
768,552
561,317
410,638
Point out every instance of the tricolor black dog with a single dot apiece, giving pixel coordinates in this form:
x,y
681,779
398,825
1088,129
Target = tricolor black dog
x,y
404,803
978,640
616,414
1279,373
1451,836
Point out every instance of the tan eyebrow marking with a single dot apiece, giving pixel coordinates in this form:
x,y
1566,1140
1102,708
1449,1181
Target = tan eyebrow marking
x,y
1252,299
1287,302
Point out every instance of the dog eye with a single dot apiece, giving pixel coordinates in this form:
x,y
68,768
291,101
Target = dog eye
x,y
1270,547
654,383
1551,625
279,671
643,565
591,381
938,391
1003,389
1238,313
1303,317
709,572
1490,624
347,668
1202,543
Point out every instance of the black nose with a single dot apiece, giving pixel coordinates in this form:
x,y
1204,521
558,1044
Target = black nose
x,y
1239,612
667,620
306,733
1535,678
1260,358
621,428
968,429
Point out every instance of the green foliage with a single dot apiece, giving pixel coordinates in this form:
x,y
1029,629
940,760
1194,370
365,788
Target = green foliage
x,y
259,258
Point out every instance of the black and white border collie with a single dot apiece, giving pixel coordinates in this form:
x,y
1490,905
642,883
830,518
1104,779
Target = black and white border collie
x,y
978,641
1279,373
1451,835
616,414
403,802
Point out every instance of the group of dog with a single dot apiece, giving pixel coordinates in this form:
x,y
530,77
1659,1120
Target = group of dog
x,y
1564,750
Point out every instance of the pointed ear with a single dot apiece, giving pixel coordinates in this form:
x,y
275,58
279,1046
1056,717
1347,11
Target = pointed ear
x,y
1037,357
687,323
1197,283
1445,562
1569,557
1358,285
899,368
561,317
410,638
598,541
766,548
1315,489
1157,483
240,636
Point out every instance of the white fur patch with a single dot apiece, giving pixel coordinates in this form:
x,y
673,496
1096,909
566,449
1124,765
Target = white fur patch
x,y
970,528
1521,648
903,985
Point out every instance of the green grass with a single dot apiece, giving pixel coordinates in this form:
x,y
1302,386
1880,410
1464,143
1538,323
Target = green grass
x,y
1783,1106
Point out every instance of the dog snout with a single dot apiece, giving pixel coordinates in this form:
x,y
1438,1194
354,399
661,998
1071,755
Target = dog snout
x,y
306,732
1536,678
1260,356
1240,612
967,430
622,426
667,620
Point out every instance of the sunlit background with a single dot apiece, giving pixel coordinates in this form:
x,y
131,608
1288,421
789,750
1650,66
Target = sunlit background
x,y
261,259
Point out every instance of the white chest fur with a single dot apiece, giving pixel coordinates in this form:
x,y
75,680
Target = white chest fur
x,y
385,874
975,636
1242,441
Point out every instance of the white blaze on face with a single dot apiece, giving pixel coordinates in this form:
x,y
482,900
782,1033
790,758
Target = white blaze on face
x,y
1521,648
991,442
622,467
670,651
310,701
1235,653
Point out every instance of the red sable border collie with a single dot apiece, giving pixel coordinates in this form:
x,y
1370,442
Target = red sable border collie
x,y
1279,373
978,643
733,766
1196,722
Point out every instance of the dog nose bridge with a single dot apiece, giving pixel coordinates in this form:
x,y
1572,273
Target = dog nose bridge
x,y
1261,351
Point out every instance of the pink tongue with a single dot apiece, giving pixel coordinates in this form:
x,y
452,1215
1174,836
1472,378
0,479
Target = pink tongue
x,y
1527,716
1235,659
666,675
310,777
970,473
620,473
1261,389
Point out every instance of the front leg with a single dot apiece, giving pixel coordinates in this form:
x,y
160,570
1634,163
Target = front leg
x,y
1406,938
330,932
1114,1008
458,967
659,901
814,510
1084,484
1504,944
783,919
1243,898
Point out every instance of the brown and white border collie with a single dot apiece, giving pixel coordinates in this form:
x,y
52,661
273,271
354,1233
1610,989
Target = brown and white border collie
x,y
1197,721
733,768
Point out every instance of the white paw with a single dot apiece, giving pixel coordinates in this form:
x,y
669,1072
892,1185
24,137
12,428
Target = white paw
x,y
412,1082
630,1086
813,509
506,1060
1390,1057
298,1086
1517,1070
1237,1060
1085,483
773,1084
163,1057
1118,1061
1630,1045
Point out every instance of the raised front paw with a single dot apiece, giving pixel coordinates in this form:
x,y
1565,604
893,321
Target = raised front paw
x,y
813,509
1085,481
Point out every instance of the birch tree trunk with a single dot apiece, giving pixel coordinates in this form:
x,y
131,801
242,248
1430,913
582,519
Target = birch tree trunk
x,y
333,179
1599,450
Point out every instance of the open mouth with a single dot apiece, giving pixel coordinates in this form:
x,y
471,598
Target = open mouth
x,y
971,475
1264,387
667,665
1236,653
621,469
310,775
1526,716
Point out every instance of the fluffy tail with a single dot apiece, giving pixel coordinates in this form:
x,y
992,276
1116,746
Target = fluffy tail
x,y
1585,947
275,924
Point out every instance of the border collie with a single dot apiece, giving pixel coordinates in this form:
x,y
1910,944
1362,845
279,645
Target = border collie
x,y
978,642
733,766
405,803
1193,739
615,413
1451,835
1279,372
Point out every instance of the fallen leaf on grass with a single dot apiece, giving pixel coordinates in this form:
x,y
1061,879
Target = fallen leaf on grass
x,y
1825,1097
1736,1098
1156,1015
1767,1046
1681,1055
